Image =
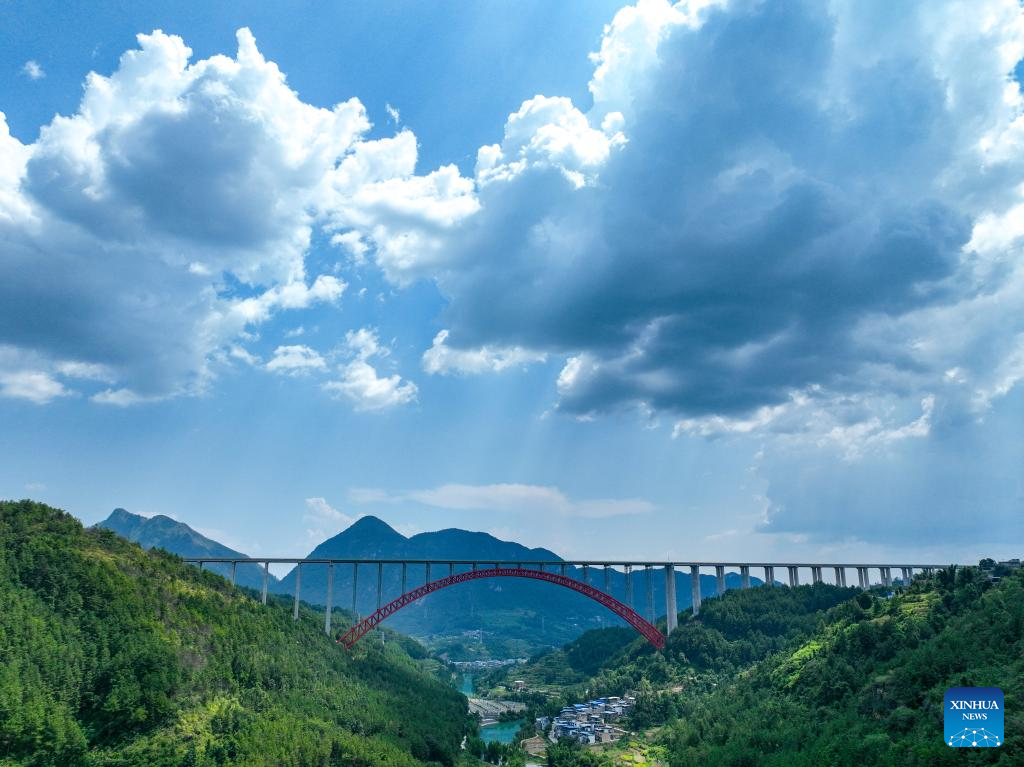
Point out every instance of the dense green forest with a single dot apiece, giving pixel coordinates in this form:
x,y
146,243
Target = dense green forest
x,y
567,666
867,687
112,655
816,675
731,633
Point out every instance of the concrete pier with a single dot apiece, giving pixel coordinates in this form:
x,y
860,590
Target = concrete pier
x,y
298,588
719,579
380,583
695,588
745,576
671,607
816,575
234,570
908,575
266,580
330,598
355,586
769,575
886,577
650,593
794,576
629,586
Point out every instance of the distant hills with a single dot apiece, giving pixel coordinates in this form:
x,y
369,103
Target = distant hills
x,y
516,618
178,538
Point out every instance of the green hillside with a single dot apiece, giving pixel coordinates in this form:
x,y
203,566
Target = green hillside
x,y
732,632
867,688
112,655
813,676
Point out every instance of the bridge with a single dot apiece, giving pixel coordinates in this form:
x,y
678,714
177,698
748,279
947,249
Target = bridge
x,y
560,573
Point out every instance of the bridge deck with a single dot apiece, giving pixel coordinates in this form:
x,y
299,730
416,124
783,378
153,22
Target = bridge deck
x,y
558,562
546,569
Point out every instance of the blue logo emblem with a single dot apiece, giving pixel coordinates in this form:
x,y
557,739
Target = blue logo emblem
x,y
973,717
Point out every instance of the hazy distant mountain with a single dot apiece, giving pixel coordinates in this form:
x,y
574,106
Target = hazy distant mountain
x,y
178,538
518,615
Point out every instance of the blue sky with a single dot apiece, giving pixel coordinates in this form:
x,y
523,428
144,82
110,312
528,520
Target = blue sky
x,y
718,279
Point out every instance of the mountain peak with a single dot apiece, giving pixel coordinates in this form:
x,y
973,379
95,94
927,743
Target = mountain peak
x,y
122,521
373,525
165,532
366,538
178,538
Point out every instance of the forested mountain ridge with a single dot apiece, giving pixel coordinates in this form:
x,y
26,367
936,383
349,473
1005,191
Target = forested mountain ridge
x,y
178,538
731,633
113,655
867,688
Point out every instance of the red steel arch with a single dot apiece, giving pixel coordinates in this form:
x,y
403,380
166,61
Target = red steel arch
x,y
649,630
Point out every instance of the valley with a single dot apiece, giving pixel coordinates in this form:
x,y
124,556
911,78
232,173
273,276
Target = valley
x,y
480,620
739,685
114,655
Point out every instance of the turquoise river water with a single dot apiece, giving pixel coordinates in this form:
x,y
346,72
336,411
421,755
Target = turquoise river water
x,y
503,732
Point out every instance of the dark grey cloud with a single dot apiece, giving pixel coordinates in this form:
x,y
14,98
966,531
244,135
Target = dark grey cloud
x,y
775,194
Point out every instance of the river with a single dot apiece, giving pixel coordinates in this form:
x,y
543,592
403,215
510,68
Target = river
x,y
502,732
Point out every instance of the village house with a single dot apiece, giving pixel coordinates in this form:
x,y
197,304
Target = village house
x,y
590,722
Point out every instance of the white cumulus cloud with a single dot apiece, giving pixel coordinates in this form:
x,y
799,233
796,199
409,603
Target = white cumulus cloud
x,y
33,70
296,360
323,520
152,230
32,385
362,384
442,359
